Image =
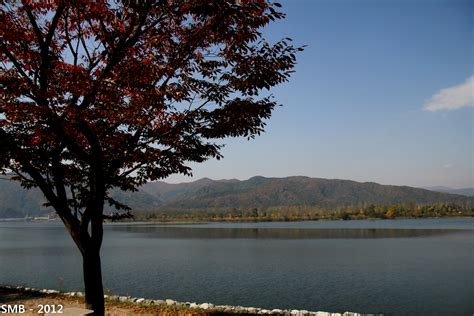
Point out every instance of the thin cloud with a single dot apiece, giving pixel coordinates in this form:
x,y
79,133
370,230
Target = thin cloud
x,y
452,98
448,165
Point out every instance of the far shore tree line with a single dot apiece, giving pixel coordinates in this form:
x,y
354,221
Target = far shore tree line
x,y
292,213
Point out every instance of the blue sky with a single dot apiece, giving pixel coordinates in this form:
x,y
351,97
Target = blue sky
x,y
383,93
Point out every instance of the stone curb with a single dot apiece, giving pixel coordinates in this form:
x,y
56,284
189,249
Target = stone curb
x,y
205,306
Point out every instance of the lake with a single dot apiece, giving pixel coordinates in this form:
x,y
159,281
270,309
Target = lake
x,y
422,266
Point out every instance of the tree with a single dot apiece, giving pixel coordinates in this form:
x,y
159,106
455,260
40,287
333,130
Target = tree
x,y
98,95
254,212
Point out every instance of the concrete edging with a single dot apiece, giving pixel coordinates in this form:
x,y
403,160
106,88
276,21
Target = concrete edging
x,y
204,306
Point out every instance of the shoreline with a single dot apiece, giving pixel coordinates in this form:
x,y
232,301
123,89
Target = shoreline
x,y
116,304
269,220
200,220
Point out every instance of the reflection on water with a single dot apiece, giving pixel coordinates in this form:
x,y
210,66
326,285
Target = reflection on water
x,y
281,233
408,267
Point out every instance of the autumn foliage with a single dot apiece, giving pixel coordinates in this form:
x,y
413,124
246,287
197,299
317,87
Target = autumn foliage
x,y
104,94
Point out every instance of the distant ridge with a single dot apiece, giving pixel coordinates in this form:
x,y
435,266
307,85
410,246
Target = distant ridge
x,y
462,191
257,192
262,192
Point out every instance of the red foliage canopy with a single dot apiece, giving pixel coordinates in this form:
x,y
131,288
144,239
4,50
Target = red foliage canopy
x,y
102,94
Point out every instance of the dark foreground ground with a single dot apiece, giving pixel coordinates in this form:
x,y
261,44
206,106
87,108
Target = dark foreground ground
x,y
32,301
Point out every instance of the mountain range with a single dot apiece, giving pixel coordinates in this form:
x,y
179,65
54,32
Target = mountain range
x,y
257,192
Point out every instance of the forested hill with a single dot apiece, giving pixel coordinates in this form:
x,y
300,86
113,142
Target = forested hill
x,y
257,192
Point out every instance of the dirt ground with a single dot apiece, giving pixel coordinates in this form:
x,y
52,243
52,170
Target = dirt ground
x,y
32,301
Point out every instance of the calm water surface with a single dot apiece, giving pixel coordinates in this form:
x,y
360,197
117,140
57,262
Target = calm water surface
x,y
392,267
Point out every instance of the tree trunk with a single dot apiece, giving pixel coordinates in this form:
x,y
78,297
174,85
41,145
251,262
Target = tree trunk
x,y
93,282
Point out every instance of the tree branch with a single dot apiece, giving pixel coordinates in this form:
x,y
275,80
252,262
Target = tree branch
x,y
68,38
18,67
36,29
43,79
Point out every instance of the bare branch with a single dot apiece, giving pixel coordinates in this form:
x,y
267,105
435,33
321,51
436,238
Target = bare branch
x,y
54,24
43,79
68,38
36,29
